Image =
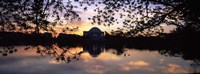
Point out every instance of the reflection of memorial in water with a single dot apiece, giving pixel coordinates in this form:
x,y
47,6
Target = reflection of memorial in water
x,y
94,49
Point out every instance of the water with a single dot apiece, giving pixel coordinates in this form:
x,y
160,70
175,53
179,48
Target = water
x,y
92,60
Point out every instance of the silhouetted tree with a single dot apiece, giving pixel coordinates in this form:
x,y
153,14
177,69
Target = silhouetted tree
x,y
147,16
137,16
36,15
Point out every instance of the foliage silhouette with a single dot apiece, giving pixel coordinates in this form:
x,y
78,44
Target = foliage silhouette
x,y
35,15
139,17
146,17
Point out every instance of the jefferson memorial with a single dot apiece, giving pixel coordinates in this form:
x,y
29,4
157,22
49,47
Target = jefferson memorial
x,y
94,34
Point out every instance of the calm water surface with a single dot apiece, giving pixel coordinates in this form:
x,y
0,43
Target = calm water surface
x,y
90,60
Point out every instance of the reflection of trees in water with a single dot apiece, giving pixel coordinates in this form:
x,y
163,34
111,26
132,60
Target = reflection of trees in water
x,y
195,66
189,53
172,52
60,54
64,54
7,50
186,54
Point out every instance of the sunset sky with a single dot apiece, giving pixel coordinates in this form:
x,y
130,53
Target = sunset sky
x,y
84,24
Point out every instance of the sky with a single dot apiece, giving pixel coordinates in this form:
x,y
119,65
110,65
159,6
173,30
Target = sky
x,y
85,25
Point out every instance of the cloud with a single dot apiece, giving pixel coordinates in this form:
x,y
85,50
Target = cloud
x,y
138,63
54,62
174,68
137,66
108,56
96,69
125,68
161,61
86,57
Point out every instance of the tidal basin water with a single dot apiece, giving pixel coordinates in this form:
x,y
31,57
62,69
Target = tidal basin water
x,y
91,60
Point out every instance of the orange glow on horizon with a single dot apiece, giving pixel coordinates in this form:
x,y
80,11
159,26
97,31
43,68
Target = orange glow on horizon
x,y
83,26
